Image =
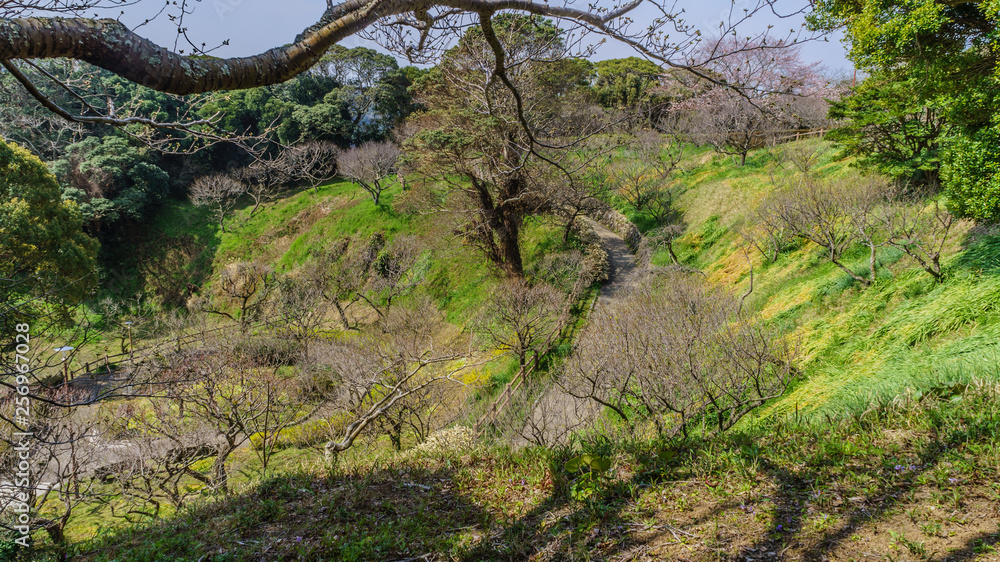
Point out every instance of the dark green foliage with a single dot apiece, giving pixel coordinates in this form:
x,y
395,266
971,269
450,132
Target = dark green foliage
x,y
111,180
888,127
971,163
41,235
931,101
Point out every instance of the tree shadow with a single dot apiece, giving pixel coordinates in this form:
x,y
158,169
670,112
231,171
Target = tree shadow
x,y
791,500
391,513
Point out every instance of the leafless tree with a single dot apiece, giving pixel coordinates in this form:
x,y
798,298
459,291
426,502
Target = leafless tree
x,y
758,102
373,271
300,300
419,414
48,469
833,214
765,230
248,285
211,404
370,166
918,228
675,350
218,191
311,163
572,200
728,122
664,237
523,319
265,179
862,200
152,471
661,153
636,183
384,366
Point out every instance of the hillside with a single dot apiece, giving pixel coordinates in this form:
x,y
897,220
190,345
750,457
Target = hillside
x,y
885,446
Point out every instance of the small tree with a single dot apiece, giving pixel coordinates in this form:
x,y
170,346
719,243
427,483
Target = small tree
x,y
370,165
523,319
311,163
675,350
763,85
220,192
728,122
301,301
636,182
248,285
834,215
374,271
368,376
918,228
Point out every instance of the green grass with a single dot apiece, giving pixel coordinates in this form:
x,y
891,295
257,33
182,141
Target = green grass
x,y
913,467
816,471
855,344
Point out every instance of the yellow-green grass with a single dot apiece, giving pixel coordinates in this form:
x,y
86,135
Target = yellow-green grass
x,y
854,344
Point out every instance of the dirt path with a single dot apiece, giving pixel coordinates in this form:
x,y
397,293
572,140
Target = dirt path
x,y
557,414
622,262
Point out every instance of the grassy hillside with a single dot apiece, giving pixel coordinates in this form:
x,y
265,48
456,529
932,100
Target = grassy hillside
x,y
886,446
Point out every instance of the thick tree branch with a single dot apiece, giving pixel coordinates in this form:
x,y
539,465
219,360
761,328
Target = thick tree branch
x,y
108,44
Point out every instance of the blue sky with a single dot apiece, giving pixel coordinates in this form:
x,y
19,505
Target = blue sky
x,y
252,26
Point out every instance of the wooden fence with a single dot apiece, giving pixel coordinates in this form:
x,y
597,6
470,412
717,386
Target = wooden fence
x,y
497,407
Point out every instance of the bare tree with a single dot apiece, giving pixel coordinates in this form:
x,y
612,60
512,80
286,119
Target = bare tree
x,y
765,230
300,300
311,163
661,153
833,214
728,122
664,237
374,271
383,367
220,192
211,404
265,180
572,200
862,200
370,165
248,285
675,350
523,319
49,462
636,183
755,104
918,228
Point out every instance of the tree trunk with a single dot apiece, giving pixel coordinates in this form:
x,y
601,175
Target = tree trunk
x,y
510,248
853,275
871,263
673,256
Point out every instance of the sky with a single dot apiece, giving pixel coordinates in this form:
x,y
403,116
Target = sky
x,y
253,26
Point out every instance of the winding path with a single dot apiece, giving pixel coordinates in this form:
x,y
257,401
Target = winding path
x,y
621,259
556,414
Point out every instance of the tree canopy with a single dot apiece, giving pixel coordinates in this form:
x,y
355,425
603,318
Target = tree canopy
x,y
930,105
41,235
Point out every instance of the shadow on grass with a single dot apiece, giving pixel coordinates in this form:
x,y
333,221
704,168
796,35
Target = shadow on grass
x,y
611,524
394,513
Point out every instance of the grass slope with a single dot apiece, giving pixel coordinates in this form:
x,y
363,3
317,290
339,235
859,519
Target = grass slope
x,y
868,456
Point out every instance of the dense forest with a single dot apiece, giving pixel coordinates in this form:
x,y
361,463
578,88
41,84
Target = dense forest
x,y
510,302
